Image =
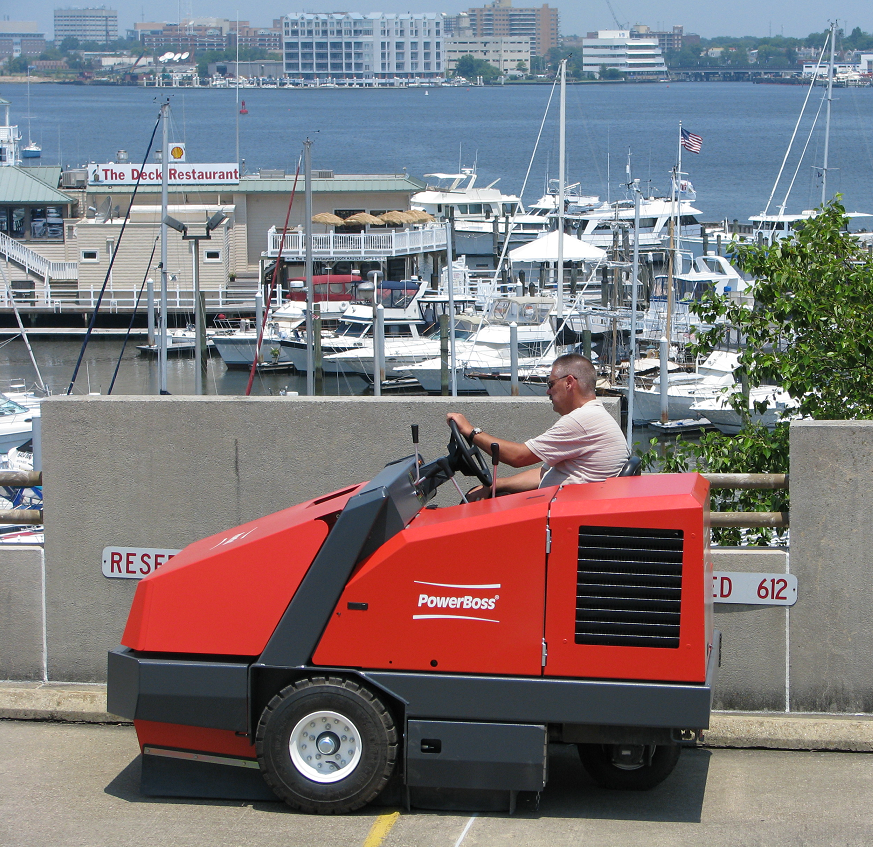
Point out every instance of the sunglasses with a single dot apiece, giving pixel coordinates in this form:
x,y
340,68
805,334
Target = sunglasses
x,y
551,382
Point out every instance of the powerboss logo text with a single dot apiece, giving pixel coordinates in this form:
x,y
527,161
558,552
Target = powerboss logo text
x,y
460,606
466,602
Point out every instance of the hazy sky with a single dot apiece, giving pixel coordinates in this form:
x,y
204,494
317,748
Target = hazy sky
x,y
709,19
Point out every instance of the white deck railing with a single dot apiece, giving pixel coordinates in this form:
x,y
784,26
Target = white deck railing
x,y
338,245
30,260
118,300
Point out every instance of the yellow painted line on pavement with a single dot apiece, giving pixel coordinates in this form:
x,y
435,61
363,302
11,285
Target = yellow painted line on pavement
x,y
381,828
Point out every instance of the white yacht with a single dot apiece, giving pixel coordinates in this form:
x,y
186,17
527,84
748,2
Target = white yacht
x,y
402,315
596,222
684,389
478,214
488,348
16,423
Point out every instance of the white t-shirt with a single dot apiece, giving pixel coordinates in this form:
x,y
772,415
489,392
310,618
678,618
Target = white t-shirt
x,y
585,445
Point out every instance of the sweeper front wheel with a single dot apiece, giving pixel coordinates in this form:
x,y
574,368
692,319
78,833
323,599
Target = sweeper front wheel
x,y
326,745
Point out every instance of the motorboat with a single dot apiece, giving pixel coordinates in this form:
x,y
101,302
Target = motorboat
x,y
719,411
478,215
401,352
16,423
402,319
596,222
457,196
712,377
179,342
488,348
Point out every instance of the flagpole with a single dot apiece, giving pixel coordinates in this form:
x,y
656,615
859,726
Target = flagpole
x,y
679,166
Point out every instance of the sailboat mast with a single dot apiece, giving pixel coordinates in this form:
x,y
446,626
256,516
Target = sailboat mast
x,y
824,170
307,265
162,327
562,154
29,139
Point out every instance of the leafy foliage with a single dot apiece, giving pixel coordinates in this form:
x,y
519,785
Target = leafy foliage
x,y
754,450
805,325
809,329
470,67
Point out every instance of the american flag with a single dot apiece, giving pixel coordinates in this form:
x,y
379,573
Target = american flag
x,y
690,141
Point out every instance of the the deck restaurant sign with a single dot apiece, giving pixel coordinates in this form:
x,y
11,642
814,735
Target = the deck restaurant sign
x,y
178,173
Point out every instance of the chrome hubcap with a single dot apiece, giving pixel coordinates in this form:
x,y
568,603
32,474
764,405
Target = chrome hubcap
x,y
325,747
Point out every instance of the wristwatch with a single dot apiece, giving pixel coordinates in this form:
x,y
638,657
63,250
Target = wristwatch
x,y
473,433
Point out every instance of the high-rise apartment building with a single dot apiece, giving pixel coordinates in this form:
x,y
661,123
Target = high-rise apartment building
x,y
667,39
100,25
540,24
348,45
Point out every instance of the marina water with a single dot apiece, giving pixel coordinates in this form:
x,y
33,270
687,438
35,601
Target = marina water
x,y
745,130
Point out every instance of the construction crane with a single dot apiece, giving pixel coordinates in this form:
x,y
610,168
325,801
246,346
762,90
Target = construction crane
x,y
615,17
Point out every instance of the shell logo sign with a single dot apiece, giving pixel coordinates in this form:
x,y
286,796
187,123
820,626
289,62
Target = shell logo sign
x,y
177,152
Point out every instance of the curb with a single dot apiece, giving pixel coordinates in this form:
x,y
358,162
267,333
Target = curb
x,y
86,703
843,733
53,701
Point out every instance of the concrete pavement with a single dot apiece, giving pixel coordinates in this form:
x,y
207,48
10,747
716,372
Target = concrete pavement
x,y
846,733
77,785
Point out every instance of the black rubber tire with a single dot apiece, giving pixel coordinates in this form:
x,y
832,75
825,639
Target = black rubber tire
x,y
377,742
597,759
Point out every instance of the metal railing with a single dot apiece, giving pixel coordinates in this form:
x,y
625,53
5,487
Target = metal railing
x,y
21,479
177,298
30,260
736,481
358,245
748,481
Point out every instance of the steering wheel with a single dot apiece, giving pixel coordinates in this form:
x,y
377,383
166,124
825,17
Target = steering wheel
x,y
467,458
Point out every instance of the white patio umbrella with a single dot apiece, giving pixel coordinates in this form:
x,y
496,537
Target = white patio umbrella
x,y
545,249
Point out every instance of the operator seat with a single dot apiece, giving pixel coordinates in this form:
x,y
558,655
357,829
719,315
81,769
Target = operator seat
x,y
632,467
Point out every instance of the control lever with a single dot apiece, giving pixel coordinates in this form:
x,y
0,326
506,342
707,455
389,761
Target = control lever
x,y
447,469
417,457
495,461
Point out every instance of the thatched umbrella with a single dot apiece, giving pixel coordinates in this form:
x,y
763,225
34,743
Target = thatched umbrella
x,y
364,219
421,217
396,218
328,219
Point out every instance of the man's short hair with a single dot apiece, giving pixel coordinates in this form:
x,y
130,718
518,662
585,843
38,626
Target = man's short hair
x,y
578,366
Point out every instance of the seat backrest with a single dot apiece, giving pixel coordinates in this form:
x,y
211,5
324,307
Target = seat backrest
x,y
632,467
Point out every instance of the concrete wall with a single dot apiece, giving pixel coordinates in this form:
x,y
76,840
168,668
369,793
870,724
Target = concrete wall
x,y
831,637
21,614
164,471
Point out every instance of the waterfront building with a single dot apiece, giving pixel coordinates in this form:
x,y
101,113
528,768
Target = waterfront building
x,y
671,39
506,54
20,38
501,19
260,38
257,69
189,35
352,46
209,34
63,259
100,25
635,58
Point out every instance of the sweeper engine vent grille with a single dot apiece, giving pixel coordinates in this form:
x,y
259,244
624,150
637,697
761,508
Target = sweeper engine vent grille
x,y
629,586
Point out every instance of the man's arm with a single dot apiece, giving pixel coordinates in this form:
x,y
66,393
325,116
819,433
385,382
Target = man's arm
x,y
527,480
511,452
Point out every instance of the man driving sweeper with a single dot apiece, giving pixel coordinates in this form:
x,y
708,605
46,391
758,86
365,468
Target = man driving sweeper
x,y
584,445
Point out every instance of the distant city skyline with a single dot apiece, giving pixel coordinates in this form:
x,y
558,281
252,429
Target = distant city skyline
x,y
742,17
